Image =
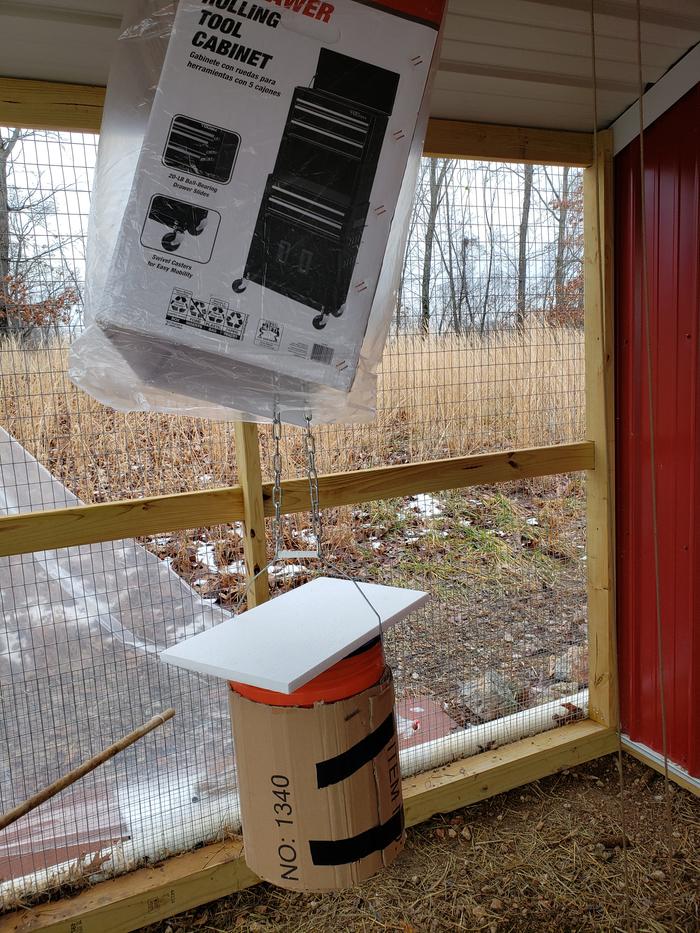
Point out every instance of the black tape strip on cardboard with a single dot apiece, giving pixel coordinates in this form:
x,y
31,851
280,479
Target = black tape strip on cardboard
x,y
344,851
340,767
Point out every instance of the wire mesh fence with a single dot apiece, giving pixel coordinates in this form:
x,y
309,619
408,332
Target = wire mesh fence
x,y
485,353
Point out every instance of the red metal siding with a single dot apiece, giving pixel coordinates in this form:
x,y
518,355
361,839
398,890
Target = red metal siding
x,y
672,194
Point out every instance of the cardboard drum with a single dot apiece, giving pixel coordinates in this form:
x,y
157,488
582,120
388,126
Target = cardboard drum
x,y
320,788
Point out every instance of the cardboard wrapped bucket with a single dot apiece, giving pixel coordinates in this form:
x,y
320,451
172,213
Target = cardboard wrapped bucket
x,y
319,784
312,704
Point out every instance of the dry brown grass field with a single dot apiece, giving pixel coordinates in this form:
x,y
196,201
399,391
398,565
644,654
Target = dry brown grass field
x,y
437,396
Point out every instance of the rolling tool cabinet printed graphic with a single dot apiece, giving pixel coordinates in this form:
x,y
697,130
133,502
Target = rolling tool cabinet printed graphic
x,y
201,149
186,225
316,200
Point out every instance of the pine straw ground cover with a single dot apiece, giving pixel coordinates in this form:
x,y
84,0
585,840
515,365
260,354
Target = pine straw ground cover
x,y
544,857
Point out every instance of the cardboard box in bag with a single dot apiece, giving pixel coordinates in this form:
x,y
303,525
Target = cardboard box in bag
x,y
320,788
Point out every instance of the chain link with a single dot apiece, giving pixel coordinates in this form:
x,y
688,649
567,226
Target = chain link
x,y
310,447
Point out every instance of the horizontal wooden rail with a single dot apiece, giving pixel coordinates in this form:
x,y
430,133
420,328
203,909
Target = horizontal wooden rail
x,y
409,479
459,139
46,105
151,894
78,107
112,521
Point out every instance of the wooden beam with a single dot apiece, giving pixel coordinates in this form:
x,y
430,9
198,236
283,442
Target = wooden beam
x,y
142,897
110,521
151,894
78,107
598,271
45,105
472,779
254,543
458,139
433,476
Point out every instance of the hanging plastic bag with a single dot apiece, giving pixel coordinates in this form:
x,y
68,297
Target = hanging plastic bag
x,y
255,178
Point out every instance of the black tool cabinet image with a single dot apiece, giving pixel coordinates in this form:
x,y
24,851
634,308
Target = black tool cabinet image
x,y
201,149
316,200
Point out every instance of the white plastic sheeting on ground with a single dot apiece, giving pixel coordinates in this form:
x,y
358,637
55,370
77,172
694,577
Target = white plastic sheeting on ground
x,y
80,629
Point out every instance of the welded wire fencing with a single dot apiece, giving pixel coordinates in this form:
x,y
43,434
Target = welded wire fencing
x,y
485,353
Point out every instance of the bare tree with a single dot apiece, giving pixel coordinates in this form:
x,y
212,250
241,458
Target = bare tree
x,y
38,285
522,246
436,191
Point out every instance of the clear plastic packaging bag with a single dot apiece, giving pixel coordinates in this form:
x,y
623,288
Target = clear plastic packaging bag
x,y
255,177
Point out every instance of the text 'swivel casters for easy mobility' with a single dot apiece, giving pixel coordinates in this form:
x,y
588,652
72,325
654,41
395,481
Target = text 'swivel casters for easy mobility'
x,y
316,200
254,184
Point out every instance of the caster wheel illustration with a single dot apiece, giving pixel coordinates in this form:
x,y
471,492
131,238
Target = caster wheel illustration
x,y
171,241
201,226
319,321
338,312
238,286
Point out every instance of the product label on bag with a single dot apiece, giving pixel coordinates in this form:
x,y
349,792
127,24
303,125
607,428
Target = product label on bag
x,y
265,189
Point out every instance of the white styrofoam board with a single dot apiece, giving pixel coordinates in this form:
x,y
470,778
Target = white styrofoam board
x,y
286,642
677,81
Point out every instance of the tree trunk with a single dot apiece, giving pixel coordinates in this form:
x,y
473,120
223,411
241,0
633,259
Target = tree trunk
x,y
6,147
559,265
522,249
435,181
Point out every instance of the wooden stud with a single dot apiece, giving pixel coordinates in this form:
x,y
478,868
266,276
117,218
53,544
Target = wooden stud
x,y
458,139
111,521
598,244
186,881
45,105
254,544
78,107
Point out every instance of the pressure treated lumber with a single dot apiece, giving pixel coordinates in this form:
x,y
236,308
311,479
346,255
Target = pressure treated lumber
x,y
459,139
254,544
78,107
112,521
36,800
409,479
46,105
142,897
152,894
472,779
600,428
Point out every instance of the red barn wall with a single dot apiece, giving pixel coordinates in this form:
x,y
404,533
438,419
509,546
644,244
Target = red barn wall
x,y
672,194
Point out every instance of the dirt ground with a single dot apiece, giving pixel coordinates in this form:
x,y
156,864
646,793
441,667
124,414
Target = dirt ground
x,y
545,857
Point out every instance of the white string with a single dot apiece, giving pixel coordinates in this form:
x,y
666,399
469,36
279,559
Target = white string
x,y
646,312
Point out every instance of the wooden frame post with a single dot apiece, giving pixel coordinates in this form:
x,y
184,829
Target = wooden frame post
x,y
250,478
598,303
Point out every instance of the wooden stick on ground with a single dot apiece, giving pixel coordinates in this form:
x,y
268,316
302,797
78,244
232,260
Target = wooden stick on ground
x,y
85,768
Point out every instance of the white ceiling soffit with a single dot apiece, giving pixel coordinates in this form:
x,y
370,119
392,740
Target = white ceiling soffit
x,y
525,62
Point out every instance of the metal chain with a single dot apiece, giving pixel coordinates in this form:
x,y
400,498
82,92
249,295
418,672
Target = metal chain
x,y
310,447
277,485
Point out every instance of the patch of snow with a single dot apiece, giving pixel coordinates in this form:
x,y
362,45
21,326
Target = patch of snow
x,y
201,582
162,540
306,535
238,566
427,505
206,478
206,556
532,521
287,570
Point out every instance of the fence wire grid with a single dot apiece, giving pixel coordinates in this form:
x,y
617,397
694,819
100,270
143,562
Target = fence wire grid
x,y
486,352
